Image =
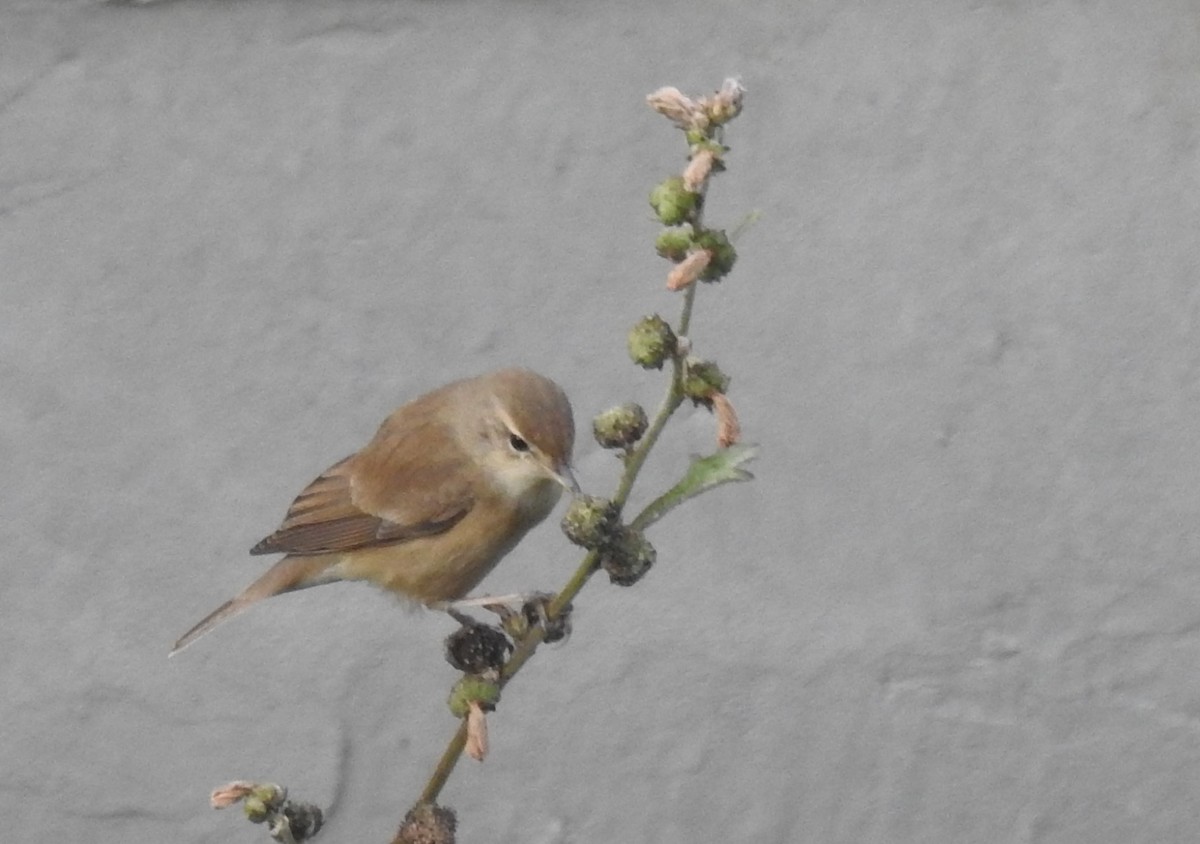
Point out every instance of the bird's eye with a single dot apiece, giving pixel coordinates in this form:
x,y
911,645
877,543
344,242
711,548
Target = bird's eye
x,y
517,443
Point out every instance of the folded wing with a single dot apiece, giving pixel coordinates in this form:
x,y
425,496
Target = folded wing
x,y
411,480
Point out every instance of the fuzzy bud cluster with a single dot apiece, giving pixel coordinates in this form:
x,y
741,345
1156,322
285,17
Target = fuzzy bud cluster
x,y
698,253
590,521
673,202
652,342
627,557
621,426
704,379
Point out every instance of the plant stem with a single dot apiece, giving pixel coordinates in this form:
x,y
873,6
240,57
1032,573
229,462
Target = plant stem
x,y
445,765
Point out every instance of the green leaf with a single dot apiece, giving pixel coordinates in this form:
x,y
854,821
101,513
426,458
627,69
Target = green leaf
x,y
705,473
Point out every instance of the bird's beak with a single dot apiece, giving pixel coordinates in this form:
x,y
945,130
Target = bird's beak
x,y
566,477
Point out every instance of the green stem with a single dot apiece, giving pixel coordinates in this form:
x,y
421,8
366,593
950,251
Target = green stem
x,y
637,457
689,296
445,766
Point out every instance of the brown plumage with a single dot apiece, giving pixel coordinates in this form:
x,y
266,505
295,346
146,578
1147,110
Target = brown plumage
x,y
450,483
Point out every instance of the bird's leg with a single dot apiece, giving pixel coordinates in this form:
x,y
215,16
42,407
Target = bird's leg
x,y
455,609
487,601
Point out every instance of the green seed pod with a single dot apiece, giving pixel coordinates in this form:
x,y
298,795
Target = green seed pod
x,y
472,689
704,378
628,558
651,342
673,202
721,252
621,426
590,521
674,243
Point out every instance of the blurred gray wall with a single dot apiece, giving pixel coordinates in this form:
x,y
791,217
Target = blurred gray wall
x,y
961,602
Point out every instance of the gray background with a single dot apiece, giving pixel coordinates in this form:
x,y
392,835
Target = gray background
x,y
960,602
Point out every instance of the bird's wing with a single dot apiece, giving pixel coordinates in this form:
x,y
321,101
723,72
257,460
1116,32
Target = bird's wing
x,y
407,483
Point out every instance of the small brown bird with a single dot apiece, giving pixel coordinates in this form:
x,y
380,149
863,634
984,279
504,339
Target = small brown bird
x,y
450,483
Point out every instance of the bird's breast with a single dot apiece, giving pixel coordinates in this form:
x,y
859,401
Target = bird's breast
x,y
448,565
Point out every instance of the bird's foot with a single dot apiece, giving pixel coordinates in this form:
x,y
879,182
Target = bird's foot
x,y
518,612
534,611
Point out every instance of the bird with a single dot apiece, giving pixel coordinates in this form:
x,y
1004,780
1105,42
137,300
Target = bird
x,y
449,484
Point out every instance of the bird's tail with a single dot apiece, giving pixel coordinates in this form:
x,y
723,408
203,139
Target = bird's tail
x,y
288,575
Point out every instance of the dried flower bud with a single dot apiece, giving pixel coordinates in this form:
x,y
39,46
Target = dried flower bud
x,y
672,202
674,243
621,426
651,342
628,558
729,430
689,269
590,521
473,689
475,648
230,793
699,169
477,733
703,380
726,104
681,110
427,824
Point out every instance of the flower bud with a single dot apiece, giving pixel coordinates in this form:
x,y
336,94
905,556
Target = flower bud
x,y
721,253
674,243
726,104
729,429
689,269
651,342
270,793
704,162
256,810
673,202
473,689
590,521
681,110
621,426
703,379
628,557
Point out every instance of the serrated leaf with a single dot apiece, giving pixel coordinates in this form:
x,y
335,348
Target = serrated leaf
x,y
705,473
